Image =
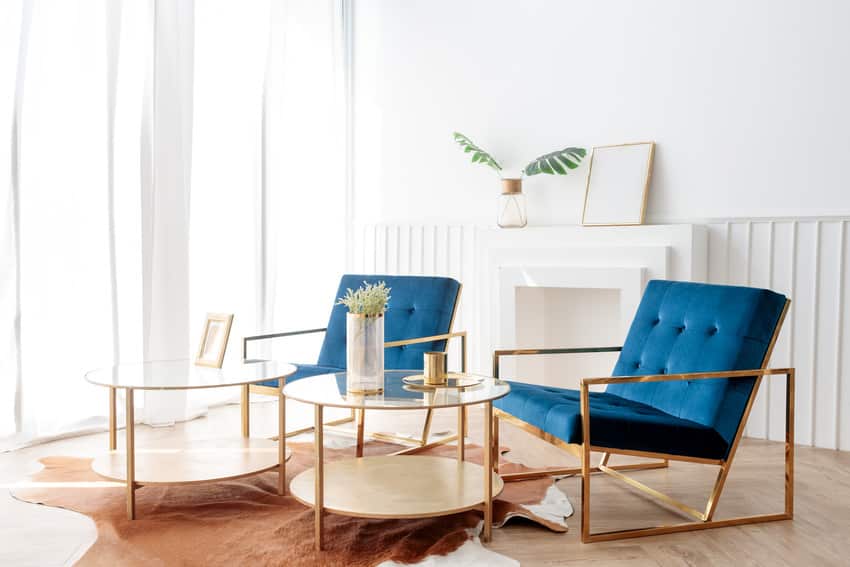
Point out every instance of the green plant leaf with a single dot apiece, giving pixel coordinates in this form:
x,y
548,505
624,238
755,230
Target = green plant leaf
x,y
479,155
556,163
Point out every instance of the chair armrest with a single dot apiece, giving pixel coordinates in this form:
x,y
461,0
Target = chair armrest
x,y
535,351
275,336
584,396
688,376
432,338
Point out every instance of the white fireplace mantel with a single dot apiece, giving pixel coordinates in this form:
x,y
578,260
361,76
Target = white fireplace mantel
x,y
622,258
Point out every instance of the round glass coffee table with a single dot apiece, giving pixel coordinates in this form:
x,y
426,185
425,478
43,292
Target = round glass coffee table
x,y
398,486
200,461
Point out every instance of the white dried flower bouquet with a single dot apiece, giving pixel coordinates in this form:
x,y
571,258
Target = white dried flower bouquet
x,y
369,299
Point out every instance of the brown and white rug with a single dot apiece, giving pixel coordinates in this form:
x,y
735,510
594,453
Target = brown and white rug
x,y
244,521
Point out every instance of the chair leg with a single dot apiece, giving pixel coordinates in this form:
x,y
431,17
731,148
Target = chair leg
x,y
461,440
566,471
711,506
705,520
426,429
584,404
709,521
585,492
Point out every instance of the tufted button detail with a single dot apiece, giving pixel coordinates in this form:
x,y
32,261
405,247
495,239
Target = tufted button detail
x,y
681,329
655,321
663,371
712,331
637,364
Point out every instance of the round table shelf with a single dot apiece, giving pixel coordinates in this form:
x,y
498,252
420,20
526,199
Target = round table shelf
x,y
410,486
199,461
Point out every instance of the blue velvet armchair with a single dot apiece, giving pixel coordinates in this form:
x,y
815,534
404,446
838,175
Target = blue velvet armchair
x,y
682,390
419,318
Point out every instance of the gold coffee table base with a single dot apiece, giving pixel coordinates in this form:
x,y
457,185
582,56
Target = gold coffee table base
x,y
397,486
409,486
200,461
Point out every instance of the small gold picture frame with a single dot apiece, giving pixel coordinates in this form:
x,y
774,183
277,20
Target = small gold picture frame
x,y
214,340
618,184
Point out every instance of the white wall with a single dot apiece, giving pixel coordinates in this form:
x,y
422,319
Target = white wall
x,y
748,102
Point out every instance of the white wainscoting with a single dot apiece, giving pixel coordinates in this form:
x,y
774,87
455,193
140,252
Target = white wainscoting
x,y
441,250
804,258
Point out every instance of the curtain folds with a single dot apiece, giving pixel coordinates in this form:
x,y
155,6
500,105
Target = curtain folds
x,y
15,18
164,159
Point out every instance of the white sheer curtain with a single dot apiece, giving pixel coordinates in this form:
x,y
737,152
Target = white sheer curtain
x,y
164,158
70,237
227,162
305,167
13,25
268,172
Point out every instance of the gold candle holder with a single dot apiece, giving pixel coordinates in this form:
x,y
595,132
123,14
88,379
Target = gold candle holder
x,y
435,368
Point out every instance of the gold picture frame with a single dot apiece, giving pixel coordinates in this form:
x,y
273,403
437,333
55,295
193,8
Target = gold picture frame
x,y
590,217
214,340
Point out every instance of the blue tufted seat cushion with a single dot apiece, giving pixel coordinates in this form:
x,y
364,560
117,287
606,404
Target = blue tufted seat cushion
x,y
679,327
614,422
304,370
419,306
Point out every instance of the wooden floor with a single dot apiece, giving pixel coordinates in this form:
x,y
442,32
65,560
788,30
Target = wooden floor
x,y
819,534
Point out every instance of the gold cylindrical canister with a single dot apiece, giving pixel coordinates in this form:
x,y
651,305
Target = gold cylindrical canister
x,y
435,368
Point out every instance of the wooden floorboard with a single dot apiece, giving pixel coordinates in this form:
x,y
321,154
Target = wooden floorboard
x,y
819,534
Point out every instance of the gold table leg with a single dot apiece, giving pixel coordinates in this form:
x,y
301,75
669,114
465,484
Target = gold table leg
x,y
281,440
320,474
246,410
461,427
496,444
361,418
113,425
131,456
488,472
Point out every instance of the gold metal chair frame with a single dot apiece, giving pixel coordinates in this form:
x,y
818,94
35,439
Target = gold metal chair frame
x,y
418,444
703,519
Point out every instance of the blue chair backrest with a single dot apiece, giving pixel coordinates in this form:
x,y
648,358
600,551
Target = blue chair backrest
x,y
419,306
685,327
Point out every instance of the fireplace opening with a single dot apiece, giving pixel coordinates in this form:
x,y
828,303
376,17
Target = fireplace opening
x,y
554,317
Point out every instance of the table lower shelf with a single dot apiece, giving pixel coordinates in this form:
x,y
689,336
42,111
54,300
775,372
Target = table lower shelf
x,y
199,461
404,486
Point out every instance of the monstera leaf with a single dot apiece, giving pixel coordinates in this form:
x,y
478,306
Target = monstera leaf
x,y
556,163
478,155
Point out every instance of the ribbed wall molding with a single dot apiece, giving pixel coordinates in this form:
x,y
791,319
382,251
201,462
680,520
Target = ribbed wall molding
x,y
807,259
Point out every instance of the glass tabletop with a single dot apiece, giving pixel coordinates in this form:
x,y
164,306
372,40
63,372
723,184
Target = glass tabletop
x,y
330,390
184,375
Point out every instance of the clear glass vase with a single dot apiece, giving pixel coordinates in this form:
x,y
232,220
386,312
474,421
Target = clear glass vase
x,y
512,213
364,353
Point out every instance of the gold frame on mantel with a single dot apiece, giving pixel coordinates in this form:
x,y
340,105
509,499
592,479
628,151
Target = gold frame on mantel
x,y
645,184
